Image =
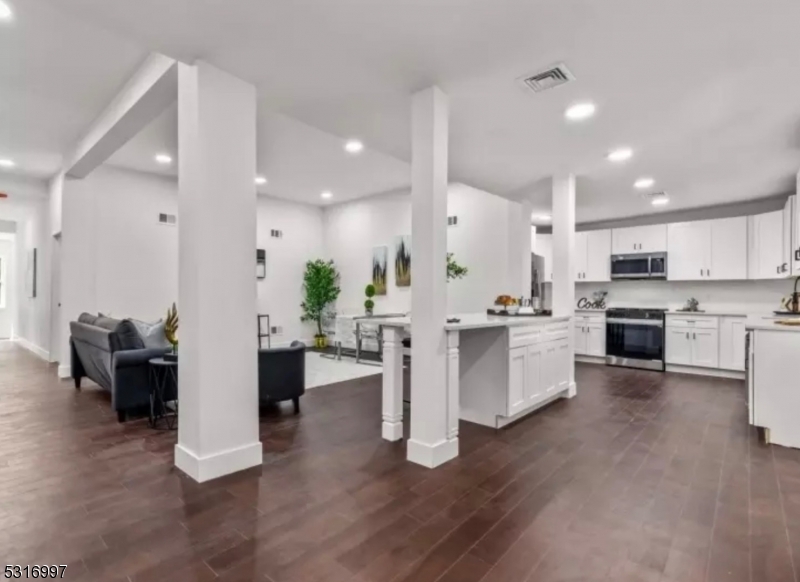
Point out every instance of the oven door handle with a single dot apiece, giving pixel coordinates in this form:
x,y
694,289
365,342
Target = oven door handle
x,y
648,322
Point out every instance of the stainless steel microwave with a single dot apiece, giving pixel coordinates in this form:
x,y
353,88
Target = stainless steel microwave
x,y
639,266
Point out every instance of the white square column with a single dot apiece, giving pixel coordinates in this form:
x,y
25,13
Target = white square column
x,y
519,248
431,442
564,260
218,363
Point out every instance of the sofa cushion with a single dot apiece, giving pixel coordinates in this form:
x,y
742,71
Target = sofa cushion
x,y
87,318
105,322
153,335
125,337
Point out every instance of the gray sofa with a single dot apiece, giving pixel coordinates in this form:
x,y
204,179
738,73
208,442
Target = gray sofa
x,y
111,353
282,374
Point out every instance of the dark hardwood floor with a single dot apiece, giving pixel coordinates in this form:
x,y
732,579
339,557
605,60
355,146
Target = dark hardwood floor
x,y
643,477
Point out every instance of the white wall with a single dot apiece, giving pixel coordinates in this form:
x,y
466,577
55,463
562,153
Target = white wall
x,y
479,242
27,205
747,296
8,290
117,259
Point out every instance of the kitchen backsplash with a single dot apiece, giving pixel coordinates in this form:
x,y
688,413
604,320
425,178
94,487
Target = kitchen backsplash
x,y
744,296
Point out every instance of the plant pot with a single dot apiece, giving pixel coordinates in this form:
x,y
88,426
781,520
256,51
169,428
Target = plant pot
x,y
321,341
369,312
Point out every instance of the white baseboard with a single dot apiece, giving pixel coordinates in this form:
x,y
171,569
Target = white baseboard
x,y
590,359
503,421
714,372
31,347
286,343
203,469
432,456
64,372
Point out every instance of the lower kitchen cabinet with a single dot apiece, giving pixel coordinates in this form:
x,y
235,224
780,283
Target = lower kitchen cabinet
x,y
732,343
537,372
705,348
678,345
590,335
692,341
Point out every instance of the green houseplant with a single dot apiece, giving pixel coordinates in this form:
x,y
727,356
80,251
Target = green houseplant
x,y
320,290
369,304
454,270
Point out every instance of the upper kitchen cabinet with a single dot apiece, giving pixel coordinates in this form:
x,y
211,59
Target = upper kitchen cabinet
x,y
593,256
543,246
639,239
707,250
767,255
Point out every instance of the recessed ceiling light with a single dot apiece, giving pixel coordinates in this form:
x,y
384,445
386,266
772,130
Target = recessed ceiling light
x,y
580,111
620,154
543,217
354,146
163,159
261,180
643,183
327,194
6,163
5,11
660,201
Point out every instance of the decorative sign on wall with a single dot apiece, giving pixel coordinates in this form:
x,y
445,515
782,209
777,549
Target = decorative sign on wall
x,y
598,301
380,258
402,261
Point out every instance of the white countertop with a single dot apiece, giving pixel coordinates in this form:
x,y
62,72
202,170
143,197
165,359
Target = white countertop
x,y
473,321
759,323
712,312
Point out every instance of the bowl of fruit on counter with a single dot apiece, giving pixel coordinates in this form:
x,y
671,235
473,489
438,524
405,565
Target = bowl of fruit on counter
x,y
508,304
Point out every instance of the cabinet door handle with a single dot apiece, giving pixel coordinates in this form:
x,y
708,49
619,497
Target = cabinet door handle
x,y
701,272
709,272
694,336
797,255
687,335
778,270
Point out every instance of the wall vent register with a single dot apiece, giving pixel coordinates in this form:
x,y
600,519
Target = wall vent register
x,y
547,79
452,220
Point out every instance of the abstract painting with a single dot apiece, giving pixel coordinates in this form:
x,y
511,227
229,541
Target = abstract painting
x,y
402,261
380,258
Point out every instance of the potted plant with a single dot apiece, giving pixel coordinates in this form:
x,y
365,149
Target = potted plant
x,y
369,304
320,290
171,331
454,270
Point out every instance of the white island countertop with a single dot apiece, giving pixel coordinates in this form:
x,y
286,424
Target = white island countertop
x,y
763,324
473,321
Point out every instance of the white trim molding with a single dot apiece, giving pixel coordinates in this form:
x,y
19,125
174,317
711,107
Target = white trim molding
x,y
203,469
32,347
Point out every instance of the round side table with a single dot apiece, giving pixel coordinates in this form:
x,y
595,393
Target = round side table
x,y
163,393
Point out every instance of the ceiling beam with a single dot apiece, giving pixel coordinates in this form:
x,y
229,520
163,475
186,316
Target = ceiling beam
x,y
152,89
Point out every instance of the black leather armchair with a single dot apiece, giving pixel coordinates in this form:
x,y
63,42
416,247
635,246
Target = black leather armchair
x,y
282,374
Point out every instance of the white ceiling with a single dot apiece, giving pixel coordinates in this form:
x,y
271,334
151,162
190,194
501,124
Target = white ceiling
x,y
706,93
299,161
57,73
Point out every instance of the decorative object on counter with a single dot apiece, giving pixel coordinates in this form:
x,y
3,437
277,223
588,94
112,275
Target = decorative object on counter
x,y
788,322
320,290
369,304
598,301
171,331
518,313
692,306
379,261
510,305
454,270
791,303
402,261
453,320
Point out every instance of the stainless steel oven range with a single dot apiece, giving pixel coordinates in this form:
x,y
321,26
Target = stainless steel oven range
x,y
635,338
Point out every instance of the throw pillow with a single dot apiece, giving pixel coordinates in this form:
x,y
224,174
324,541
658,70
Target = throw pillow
x,y
152,334
125,337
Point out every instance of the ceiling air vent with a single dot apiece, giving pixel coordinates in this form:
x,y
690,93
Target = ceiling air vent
x,y
167,219
544,80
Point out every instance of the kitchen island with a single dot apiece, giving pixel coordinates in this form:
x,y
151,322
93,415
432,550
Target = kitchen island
x,y
499,369
773,380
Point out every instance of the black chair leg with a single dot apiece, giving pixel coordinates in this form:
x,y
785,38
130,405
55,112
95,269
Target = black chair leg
x,y
121,416
77,383
296,405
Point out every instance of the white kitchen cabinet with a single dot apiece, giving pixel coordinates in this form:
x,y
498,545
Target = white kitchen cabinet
x,y
705,348
788,248
590,335
596,340
581,256
732,343
517,380
678,347
544,248
795,254
562,365
692,340
534,390
767,246
639,239
707,250
598,256
581,338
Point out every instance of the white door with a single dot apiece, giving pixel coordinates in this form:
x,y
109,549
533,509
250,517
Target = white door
x,y
581,241
728,248
544,248
534,389
689,248
705,348
679,346
596,340
768,245
581,347
625,241
653,238
598,256
732,343
516,380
